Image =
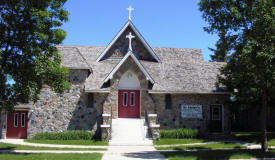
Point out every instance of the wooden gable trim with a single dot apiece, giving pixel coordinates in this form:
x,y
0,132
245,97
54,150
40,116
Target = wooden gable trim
x,y
129,23
129,54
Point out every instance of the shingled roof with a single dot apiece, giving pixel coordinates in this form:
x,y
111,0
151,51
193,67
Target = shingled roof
x,y
182,70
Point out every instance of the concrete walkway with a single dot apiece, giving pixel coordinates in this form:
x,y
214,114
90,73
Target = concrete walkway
x,y
132,153
130,141
48,151
21,142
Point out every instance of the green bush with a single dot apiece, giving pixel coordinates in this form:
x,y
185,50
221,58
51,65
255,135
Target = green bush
x,y
179,133
75,135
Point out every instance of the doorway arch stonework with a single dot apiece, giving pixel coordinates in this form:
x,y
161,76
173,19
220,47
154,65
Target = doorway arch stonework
x,y
111,103
129,81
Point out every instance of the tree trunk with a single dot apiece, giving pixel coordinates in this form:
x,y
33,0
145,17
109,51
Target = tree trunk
x,y
263,124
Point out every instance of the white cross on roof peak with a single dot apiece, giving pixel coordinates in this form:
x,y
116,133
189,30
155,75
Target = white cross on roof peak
x,y
130,9
130,37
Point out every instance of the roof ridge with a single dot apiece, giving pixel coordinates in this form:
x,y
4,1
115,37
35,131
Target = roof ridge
x,y
64,45
177,48
90,68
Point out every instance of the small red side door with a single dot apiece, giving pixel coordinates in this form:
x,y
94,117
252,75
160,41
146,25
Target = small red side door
x,y
17,124
128,103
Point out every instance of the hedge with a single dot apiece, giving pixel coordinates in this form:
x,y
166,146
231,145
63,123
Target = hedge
x,y
74,135
179,133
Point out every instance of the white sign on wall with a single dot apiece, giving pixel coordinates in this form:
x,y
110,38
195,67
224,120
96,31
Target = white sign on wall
x,y
191,111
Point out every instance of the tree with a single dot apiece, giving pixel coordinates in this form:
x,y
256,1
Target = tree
x,y
246,29
29,31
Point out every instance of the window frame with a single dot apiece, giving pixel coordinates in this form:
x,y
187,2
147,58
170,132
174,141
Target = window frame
x,y
132,94
168,101
23,119
15,119
125,104
90,99
220,110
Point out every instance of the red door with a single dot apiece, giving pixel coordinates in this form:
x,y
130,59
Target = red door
x,y
128,103
17,124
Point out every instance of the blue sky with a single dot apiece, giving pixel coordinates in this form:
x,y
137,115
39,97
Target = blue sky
x,y
163,23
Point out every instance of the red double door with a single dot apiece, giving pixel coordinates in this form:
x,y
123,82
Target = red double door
x,y
128,103
17,124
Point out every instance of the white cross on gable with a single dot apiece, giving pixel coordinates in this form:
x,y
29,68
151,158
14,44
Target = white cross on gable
x,y
130,9
130,37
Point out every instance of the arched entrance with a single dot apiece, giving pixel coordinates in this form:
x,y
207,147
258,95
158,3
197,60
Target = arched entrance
x,y
129,96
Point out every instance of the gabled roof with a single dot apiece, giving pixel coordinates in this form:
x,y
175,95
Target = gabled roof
x,y
130,54
129,24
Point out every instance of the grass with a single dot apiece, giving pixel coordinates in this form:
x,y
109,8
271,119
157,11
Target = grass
x,y
204,146
221,154
169,141
5,146
254,137
69,142
48,156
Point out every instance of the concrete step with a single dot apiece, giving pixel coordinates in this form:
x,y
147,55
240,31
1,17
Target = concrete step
x,y
129,131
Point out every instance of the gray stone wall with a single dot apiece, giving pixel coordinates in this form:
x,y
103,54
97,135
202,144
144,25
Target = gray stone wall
x,y
171,118
68,111
120,47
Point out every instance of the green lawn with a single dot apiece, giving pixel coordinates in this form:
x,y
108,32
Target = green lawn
x,y
48,156
212,155
167,141
5,146
69,142
254,137
204,146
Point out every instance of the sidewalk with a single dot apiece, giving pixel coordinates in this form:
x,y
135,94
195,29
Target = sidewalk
x,y
42,151
132,152
21,142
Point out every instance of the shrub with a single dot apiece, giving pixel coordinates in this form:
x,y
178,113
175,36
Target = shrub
x,y
179,133
75,135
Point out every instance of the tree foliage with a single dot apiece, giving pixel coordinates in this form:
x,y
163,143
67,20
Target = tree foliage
x,y
246,29
29,31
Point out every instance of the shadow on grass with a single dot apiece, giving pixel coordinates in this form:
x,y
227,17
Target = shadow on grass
x,y
7,148
252,137
219,154
200,148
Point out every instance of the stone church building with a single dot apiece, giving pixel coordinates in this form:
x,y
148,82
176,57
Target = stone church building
x,y
167,87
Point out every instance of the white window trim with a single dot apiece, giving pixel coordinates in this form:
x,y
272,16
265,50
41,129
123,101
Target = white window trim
x,y
14,119
23,125
125,105
220,108
132,93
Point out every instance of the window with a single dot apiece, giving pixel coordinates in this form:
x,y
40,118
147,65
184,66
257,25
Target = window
x,y
90,100
132,98
168,101
216,112
16,120
23,120
125,98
